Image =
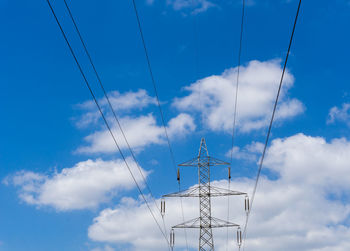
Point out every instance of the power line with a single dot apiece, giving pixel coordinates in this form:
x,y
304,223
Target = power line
x,y
110,104
237,81
271,122
235,111
103,117
158,102
153,83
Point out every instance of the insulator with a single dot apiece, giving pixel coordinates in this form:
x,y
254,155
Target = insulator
x,y
162,207
239,236
172,238
229,173
178,174
246,204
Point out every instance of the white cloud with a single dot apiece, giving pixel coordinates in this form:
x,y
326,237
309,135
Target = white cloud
x,y
181,125
135,225
214,97
121,103
195,6
339,114
83,186
140,132
105,248
302,209
311,160
250,152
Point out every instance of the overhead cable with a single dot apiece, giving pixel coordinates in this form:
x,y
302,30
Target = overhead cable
x,y
154,83
110,104
235,112
105,120
270,125
158,102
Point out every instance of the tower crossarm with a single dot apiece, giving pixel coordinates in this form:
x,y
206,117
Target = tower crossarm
x,y
211,161
214,192
213,223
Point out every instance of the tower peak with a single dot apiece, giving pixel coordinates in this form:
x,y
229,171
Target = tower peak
x,y
203,150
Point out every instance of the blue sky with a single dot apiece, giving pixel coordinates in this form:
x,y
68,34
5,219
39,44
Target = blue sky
x,y
62,182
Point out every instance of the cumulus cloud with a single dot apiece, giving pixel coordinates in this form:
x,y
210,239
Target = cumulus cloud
x,y
311,160
83,186
136,226
140,132
339,114
181,125
214,96
302,209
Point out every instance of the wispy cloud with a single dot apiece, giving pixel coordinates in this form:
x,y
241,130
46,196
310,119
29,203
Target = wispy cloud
x,y
339,114
187,6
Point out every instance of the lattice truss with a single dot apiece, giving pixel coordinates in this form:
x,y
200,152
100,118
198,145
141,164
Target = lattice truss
x,y
204,191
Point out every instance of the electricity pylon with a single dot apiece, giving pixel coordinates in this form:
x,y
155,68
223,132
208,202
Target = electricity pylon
x,y
204,191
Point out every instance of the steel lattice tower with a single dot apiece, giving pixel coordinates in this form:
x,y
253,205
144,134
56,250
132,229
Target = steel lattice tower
x,y
206,236
204,191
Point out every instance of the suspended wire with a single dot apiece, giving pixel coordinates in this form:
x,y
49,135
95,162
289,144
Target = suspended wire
x,y
270,126
158,103
154,83
110,106
104,119
237,81
183,218
235,112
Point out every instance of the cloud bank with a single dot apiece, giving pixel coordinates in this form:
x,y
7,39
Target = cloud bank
x,y
305,207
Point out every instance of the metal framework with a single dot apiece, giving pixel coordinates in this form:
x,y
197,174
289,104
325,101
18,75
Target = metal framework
x,y
204,191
